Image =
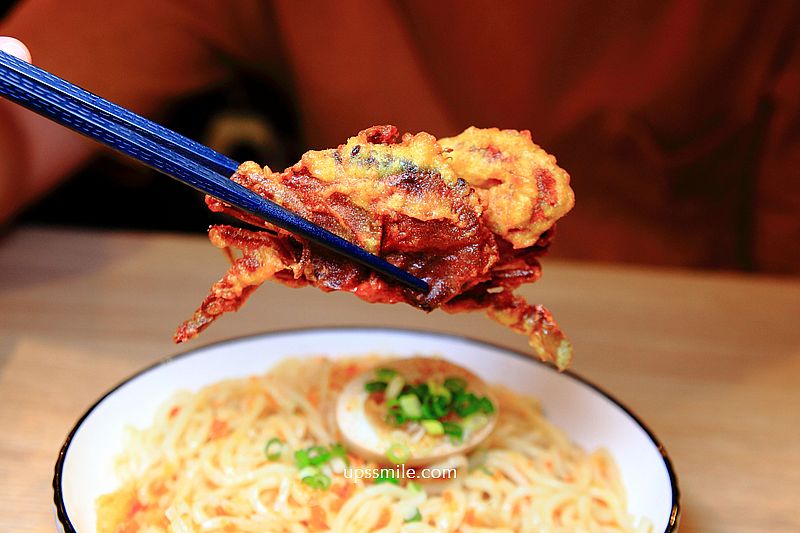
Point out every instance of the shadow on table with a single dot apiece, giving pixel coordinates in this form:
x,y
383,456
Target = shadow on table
x,y
687,523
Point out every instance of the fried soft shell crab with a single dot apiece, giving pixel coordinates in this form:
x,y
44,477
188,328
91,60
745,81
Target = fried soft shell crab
x,y
469,214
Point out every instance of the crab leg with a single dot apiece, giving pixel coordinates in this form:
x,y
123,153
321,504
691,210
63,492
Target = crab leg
x,y
262,257
534,321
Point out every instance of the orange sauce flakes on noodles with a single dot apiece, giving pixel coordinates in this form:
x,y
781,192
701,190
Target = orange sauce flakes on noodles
x,y
317,521
136,507
383,519
313,397
219,428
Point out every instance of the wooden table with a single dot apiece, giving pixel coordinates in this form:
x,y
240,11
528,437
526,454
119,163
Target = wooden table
x,y
710,361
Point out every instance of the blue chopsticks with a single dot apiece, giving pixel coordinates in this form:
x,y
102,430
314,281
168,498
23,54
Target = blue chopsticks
x,y
169,152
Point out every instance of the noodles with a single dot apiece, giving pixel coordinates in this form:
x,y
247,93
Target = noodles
x,y
202,466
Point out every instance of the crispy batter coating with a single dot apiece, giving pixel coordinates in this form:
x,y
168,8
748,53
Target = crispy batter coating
x,y
471,220
523,189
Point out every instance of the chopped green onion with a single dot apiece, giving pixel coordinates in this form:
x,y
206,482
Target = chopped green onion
x,y
437,406
433,427
439,390
398,453
395,416
313,455
311,476
317,455
308,471
456,384
386,479
465,404
453,429
486,405
417,517
375,386
423,391
301,458
273,449
317,481
426,413
337,450
385,374
430,403
394,387
410,406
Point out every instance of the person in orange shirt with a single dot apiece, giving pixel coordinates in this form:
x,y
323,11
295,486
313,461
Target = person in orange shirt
x,y
679,121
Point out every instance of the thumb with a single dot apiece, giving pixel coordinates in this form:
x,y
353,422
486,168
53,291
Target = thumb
x,y
15,48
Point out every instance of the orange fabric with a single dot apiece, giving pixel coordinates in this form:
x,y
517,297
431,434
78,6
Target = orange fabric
x,y
678,120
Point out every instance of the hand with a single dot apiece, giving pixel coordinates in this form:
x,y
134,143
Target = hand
x,y
15,48
11,168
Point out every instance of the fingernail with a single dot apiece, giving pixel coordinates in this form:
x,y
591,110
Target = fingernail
x,y
15,48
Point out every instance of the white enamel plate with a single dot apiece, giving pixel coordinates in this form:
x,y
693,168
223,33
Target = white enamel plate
x,y
591,417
